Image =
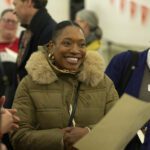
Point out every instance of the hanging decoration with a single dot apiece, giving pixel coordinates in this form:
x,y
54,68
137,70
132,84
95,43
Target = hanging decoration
x,y
122,4
112,1
133,8
144,14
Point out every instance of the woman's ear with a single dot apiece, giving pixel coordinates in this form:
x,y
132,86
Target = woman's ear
x,y
50,46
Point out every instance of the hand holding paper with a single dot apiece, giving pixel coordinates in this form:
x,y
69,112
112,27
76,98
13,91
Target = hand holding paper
x,y
118,127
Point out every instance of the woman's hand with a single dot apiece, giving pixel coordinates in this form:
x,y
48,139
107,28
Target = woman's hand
x,y
73,134
9,120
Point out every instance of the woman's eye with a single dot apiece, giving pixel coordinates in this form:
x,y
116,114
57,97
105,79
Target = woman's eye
x,y
82,45
66,43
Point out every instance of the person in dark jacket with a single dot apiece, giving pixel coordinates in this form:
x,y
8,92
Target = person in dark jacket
x,y
89,22
8,53
139,83
39,25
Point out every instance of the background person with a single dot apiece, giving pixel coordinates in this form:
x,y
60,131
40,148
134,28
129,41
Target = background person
x,y
89,22
8,30
8,42
39,26
138,85
61,77
8,54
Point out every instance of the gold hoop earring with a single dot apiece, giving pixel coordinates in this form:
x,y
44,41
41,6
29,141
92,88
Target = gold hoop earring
x,y
51,56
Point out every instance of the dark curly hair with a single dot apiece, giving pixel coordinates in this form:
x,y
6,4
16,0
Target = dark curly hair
x,y
60,26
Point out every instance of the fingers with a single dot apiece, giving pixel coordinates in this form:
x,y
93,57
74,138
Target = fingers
x,y
16,119
68,138
15,126
9,120
68,129
12,111
74,135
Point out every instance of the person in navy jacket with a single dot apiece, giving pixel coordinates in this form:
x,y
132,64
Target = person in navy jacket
x,y
138,84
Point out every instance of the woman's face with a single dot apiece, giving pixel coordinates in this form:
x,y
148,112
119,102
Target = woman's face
x,y
9,25
69,48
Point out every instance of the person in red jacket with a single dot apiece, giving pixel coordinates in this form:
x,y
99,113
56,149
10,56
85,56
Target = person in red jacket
x,y
8,54
8,30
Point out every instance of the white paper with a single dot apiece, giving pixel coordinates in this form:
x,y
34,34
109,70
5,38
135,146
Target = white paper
x,y
141,136
118,127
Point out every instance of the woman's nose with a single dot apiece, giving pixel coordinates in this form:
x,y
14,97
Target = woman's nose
x,y
75,48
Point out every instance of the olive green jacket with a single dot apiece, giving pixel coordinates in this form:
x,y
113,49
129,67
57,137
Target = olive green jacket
x,y
43,98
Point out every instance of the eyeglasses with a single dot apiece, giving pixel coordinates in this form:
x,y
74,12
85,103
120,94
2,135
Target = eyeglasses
x,y
5,20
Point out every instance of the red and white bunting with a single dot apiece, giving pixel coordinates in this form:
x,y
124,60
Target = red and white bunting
x,y
133,8
122,4
144,14
112,1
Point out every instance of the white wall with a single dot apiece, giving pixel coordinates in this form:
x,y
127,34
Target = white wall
x,y
4,5
119,26
59,9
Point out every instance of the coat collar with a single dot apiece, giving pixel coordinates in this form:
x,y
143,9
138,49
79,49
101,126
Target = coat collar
x,y
41,72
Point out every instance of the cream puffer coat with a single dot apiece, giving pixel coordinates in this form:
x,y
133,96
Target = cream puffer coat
x,y
43,96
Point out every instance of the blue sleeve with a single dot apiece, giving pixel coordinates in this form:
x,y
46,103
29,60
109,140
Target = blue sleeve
x,y
146,145
117,66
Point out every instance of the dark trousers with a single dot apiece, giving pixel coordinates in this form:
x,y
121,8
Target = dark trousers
x,y
134,144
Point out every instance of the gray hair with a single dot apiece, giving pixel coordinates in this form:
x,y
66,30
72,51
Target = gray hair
x,y
91,18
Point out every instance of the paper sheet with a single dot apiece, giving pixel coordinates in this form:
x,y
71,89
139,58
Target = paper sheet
x,y
118,127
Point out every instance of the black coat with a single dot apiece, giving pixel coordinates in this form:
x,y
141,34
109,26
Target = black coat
x,y
7,87
41,27
8,81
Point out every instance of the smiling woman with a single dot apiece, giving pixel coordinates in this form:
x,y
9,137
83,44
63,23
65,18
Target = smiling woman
x,y
69,49
64,94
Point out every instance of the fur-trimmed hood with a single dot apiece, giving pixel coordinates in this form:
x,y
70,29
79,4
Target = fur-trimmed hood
x,y
41,72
